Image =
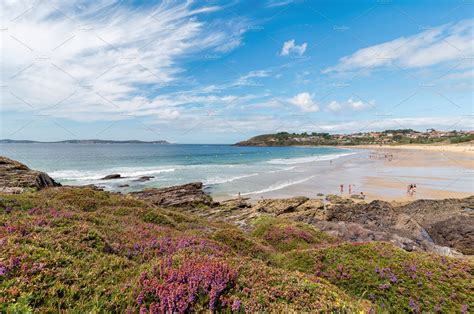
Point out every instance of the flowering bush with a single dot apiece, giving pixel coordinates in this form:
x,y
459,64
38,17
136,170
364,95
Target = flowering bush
x,y
176,290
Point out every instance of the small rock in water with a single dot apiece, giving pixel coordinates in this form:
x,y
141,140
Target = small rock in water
x,y
124,186
144,178
112,176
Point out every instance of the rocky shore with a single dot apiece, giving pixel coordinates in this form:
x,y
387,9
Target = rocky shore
x,y
444,226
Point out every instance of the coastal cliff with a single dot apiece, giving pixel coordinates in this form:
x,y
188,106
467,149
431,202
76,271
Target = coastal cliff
x,y
176,250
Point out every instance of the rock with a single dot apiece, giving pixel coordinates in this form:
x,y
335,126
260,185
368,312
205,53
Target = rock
x,y
16,177
311,204
112,176
357,197
279,206
456,232
187,195
144,179
123,186
336,199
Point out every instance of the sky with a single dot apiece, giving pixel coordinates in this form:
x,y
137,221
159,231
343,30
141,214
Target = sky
x,y
216,71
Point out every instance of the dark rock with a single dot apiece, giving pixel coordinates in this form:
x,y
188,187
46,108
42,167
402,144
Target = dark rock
x,y
187,195
16,177
144,179
112,176
123,186
456,232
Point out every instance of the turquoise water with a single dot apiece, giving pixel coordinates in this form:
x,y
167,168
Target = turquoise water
x,y
217,166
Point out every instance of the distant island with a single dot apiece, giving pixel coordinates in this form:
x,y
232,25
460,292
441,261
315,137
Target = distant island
x,y
387,137
93,141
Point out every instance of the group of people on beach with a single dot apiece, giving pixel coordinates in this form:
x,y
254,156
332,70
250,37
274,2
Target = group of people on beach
x,y
411,189
378,156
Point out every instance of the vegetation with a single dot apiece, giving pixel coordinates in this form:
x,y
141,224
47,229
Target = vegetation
x,y
394,137
83,250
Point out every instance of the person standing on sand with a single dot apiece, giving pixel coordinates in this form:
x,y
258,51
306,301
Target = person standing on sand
x,y
342,188
350,189
414,189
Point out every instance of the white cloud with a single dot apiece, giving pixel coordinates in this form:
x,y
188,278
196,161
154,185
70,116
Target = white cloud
x,y
445,43
103,60
246,80
350,104
305,102
290,47
334,106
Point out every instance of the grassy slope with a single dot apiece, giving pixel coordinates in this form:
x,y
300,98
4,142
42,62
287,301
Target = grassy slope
x,y
84,250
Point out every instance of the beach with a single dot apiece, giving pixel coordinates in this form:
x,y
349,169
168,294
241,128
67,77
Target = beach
x,y
384,173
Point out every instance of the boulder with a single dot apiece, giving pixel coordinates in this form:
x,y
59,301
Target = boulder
x,y
16,177
187,195
144,179
112,176
456,232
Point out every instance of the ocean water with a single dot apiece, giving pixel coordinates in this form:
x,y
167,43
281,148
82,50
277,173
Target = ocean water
x,y
225,170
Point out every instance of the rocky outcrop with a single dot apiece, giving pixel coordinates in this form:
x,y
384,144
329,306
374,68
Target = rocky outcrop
x,y
187,195
112,176
16,177
409,227
144,179
456,232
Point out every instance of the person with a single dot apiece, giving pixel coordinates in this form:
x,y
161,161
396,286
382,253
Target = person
x,y
414,189
239,198
350,189
409,188
342,188
330,162
362,195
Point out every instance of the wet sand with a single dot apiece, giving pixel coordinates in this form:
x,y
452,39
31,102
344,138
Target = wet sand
x,y
381,173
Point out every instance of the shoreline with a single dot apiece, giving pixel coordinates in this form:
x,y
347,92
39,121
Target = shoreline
x,y
440,172
451,148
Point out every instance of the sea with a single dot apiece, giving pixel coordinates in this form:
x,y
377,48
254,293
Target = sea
x,y
225,170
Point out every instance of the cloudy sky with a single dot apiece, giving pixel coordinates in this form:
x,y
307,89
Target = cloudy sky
x,y
219,71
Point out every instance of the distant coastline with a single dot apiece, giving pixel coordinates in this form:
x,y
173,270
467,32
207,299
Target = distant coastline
x,y
387,137
92,141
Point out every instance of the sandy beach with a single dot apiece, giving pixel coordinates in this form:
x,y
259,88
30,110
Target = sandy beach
x,y
384,172
445,148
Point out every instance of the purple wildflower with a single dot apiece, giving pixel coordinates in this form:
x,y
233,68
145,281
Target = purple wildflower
x,y
393,278
414,305
236,305
33,210
3,270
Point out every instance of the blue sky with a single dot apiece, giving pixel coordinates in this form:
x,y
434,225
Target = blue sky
x,y
222,71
